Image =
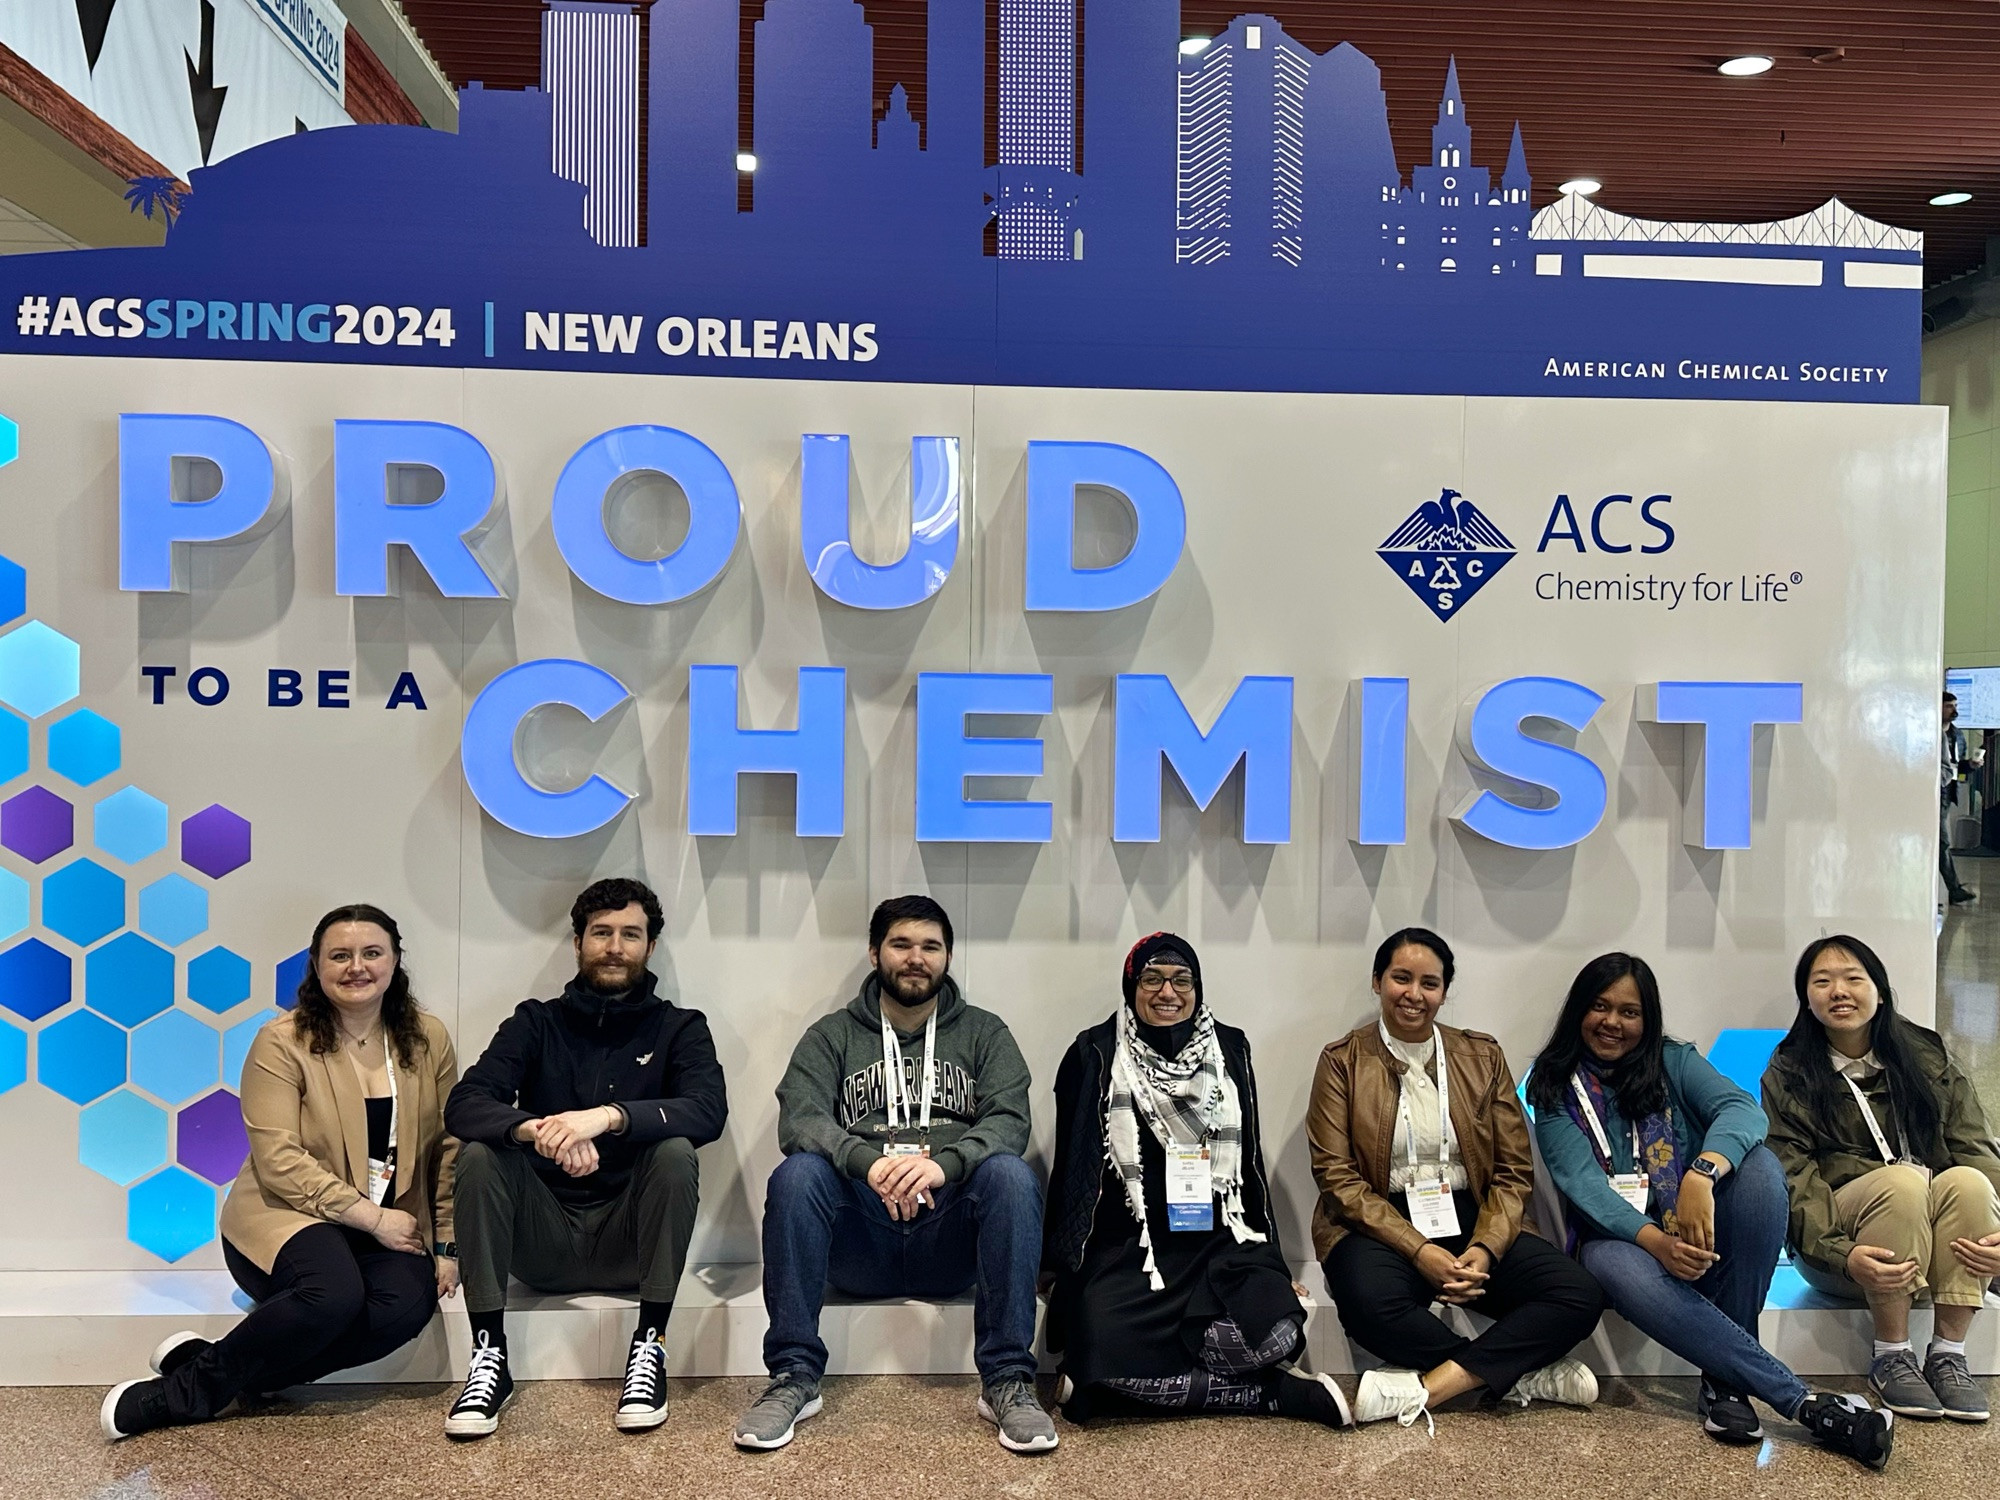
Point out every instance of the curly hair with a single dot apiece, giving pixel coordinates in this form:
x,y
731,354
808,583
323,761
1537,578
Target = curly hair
x,y
314,1022
616,894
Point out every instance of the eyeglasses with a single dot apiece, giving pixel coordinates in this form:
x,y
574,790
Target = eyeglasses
x,y
1152,981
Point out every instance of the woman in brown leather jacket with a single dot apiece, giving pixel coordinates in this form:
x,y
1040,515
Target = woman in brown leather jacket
x,y
1421,1154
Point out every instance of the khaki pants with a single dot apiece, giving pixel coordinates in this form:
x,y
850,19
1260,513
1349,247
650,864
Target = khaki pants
x,y
1895,1208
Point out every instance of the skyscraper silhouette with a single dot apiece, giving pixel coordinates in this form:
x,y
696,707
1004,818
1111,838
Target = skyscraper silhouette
x,y
813,117
1130,104
691,125
1036,184
1242,147
1352,181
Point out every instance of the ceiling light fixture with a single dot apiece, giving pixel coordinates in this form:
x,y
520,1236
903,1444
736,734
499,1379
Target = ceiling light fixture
x,y
745,162
1195,45
1950,200
1745,67
1580,187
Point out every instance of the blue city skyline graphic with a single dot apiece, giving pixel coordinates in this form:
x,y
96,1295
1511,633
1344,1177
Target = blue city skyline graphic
x,y
1232,219
1445,551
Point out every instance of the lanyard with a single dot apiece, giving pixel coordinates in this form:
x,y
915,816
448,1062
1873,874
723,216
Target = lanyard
x,y
896,1089
1589,1112
1868,1118
1444,1102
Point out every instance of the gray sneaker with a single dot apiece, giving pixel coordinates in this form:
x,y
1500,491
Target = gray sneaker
x,y
1950,1379
1011,1406
788,1400
1899,1385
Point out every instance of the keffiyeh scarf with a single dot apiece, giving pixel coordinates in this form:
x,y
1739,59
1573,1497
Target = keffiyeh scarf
x,y
1185,1100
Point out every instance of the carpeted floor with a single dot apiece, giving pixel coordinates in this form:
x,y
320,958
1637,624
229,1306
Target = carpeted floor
x,y
884,1438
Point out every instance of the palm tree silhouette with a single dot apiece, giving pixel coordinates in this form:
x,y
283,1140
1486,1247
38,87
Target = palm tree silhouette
x,y
165,193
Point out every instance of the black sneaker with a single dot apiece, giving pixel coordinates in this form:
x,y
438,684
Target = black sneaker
x,y
488,1389
1847,1424
176,1349
1308,1398
643,1402
1727,1415
134,1407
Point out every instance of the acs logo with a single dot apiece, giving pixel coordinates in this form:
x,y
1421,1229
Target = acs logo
x,y
1446,551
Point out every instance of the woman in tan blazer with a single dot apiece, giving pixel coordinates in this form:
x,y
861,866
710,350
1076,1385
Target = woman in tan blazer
x,y
1421,1154
339,1226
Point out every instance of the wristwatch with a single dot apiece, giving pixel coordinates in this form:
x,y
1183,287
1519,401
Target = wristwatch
x,y
1707,1168
445,1249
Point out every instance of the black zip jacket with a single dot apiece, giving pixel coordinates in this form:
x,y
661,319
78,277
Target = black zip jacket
x,y
654,1060
1076,1182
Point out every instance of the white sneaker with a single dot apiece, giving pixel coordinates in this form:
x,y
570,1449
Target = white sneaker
x,y
1567,1380
1393,1393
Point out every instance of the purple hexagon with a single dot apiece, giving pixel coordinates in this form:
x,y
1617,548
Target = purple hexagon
x,y
215,841
37,824
210,1140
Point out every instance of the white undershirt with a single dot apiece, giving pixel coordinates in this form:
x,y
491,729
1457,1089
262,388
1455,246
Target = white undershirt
x,y
1420,1091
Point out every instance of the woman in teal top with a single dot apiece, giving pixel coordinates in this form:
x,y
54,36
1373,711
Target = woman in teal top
x,y
1679,1207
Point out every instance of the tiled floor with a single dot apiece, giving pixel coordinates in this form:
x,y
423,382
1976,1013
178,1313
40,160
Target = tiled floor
x,y
1968,1009
894,1437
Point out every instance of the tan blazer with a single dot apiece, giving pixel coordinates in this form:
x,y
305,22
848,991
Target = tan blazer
x,y
308,1132
1351,1127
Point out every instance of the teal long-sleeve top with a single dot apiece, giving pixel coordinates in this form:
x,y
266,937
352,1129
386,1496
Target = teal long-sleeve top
x,y
1710,1114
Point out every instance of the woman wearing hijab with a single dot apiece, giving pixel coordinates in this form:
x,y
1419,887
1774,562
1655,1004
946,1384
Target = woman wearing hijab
x,y
1678,1206
1171,1292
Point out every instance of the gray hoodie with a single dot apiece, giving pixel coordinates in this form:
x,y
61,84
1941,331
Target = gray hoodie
x,y
832,1099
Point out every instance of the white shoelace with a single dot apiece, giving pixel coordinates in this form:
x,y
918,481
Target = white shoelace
x,y
482,1378
1418,1405
642,1373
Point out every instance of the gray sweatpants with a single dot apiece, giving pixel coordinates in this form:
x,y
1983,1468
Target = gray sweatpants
x,y
510,1223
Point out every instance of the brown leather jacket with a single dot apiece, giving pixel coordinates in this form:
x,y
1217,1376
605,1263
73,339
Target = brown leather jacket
x,y
1351,1127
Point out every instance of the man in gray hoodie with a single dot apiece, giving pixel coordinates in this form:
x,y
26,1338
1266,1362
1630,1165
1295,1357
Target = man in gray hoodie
x,y
903,1118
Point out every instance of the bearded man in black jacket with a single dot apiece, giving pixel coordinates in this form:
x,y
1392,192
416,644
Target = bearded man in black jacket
x,y
578,1171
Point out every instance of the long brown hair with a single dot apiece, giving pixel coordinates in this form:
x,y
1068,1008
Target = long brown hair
x,y
314,1023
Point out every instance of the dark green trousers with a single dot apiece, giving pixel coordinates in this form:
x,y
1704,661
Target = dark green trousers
x,y
510,1224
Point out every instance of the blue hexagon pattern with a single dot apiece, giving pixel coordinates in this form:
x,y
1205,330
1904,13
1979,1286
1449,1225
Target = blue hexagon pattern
x,y
13,903
34,979
13,579
13,745
171,1214
130,824
173,909
175,1057
219,980
236,1046
291,974
38,669
83,901
128,979
84,746
81,1057
13,1057
122,1137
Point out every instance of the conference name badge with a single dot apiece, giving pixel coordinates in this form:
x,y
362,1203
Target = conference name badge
x,y
1432,1210
1636,1188
1190,1190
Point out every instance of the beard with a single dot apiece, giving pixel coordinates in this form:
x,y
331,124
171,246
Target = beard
x,y
910,989
611,976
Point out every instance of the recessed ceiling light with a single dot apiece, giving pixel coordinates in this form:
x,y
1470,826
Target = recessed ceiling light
x,y
1194,45
1950,200
1745,67
745,162
1580,187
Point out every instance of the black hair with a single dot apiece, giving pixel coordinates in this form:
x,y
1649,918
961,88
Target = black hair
x,y
1897,1044
313,1020
1418,937
615,895
907,909
1638,1080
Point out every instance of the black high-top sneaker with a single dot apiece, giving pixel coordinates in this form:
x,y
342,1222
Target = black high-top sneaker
x,y
643,1402
488,1389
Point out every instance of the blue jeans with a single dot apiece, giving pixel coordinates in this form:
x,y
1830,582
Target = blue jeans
x,y
985,1232
1712,1323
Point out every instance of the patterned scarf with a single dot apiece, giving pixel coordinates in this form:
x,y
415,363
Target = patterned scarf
x,y
1659,1147
1184,1099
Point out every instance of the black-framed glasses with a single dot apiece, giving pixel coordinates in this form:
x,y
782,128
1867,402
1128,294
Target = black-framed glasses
x,y
1152,981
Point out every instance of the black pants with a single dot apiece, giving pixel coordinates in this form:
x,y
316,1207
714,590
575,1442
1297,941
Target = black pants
x,y
334,1299
510,1224
1542,1303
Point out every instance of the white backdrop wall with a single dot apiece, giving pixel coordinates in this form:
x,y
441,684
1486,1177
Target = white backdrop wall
x,y
1288,496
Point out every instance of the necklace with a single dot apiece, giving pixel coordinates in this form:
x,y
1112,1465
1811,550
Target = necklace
x,y
362,1043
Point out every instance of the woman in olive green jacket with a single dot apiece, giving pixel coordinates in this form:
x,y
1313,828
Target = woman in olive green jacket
x,y
1894,1182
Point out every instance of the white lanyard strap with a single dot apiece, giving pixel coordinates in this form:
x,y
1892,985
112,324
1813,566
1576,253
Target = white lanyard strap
x,y
1868,1118
1444,1103
896,1090
1596,1127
